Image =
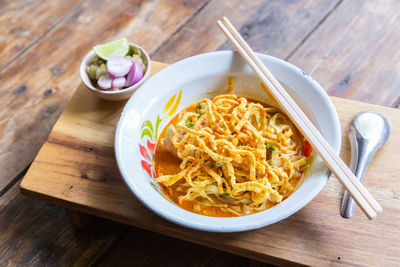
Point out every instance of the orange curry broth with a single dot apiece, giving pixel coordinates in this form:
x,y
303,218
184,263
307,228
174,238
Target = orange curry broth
x,y
166,163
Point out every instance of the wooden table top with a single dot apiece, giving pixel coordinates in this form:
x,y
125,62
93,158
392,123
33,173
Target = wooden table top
x,y
349,47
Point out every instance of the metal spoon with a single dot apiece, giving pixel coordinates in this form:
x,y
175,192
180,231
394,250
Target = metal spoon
x,y
369,130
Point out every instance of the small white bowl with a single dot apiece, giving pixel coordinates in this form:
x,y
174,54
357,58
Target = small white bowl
x,y
149,110
118,94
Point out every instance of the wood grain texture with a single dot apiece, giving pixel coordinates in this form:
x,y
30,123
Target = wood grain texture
x,y
24,22
159,250
355,53
78,219
33,233
275,27
76,168
36,87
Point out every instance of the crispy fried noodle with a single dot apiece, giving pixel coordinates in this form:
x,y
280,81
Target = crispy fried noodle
x,y
238,156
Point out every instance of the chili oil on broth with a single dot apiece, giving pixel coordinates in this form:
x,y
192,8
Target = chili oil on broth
x,y
222,203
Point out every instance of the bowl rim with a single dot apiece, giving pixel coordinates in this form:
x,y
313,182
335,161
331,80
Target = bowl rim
x,y
191,222
86,80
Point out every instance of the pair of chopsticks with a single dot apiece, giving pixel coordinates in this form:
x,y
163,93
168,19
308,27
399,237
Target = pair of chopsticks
x,y
359,193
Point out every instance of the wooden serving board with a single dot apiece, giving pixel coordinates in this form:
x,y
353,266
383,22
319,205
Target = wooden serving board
x,y
76,168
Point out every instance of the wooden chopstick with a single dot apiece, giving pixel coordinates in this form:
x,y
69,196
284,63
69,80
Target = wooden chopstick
x,y
308,123
339,163
359,193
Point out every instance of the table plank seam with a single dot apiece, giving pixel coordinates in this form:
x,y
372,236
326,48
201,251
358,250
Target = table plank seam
x,y
34,42
110,248
156,49
330,12
15,180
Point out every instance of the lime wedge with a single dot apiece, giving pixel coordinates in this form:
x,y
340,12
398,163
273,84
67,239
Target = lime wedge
x,y
118,47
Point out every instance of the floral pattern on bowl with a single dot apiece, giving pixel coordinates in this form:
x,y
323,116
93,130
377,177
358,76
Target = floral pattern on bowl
x,y
149,136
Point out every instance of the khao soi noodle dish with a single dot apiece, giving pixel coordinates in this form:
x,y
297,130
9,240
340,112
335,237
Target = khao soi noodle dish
x,y
230,156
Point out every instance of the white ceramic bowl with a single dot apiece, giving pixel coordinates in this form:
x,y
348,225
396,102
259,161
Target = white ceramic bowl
x,y
118,94
192,79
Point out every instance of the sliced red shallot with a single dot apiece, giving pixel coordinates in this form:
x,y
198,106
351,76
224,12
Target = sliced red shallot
x,y
135,74
105,82
118,66
119,82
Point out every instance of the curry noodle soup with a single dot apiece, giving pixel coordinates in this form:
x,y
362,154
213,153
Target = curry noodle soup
x,y
230,156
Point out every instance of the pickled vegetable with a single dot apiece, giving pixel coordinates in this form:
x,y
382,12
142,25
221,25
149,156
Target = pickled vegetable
x,y
117,72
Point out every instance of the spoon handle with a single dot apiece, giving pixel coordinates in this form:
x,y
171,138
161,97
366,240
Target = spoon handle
x,y
361,155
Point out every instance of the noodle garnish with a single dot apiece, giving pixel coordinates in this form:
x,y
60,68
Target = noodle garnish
x,y
237,156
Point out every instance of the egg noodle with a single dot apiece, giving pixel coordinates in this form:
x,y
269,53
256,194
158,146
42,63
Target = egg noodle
x,y
237,155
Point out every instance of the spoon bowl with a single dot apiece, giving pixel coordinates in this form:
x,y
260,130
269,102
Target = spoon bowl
x,y
369,130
